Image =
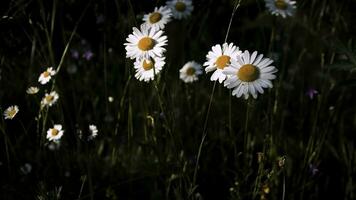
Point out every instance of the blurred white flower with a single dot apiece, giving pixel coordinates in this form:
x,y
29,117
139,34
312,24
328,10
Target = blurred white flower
x,y
26,169
46,76
93,132
158,18
180,8
190,71
283,8
111,99
11,111
55,133
32,90
49,99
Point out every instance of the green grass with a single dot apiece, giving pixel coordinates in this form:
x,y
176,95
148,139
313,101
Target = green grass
x,y
166,139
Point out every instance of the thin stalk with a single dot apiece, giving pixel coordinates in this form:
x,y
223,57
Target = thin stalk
x,y
237,5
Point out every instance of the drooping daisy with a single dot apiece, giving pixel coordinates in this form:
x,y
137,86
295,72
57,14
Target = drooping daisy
x,y
93,131
46,76
249,75
32,90
158,18
55,133
49,99
283,8
145,43
180,8
11,111
147,68
219,58
190,72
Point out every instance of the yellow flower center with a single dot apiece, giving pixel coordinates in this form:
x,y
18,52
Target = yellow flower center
x,y
280,4
54,132
190,71
11,113
248,73
155,17
222,61
180,6
49,98
45,74
147,65
146,43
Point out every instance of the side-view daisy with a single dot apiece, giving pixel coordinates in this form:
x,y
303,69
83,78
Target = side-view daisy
x,y
145,43
32,90
11,111
55,133
46,76
180,8
190,72
158,18
49,99
147,68
249,75
219,58
283,8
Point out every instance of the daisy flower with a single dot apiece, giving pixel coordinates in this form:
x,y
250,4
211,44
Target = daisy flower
x,y
180,8
32,90
158,18
55,133
46,76
281,7
249,75
219,58
11,111
147,68
145,42
190,71
93,131
49,99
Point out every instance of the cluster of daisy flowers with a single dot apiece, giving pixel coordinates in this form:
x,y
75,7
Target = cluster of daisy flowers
x,y
246,74
147,44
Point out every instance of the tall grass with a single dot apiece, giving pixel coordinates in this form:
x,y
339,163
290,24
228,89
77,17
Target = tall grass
x,y
166,139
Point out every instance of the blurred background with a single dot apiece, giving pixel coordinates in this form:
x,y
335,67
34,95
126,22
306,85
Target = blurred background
x,y
296,141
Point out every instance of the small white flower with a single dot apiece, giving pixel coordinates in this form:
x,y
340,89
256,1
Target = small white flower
x,y
190,72
49,99
146,69
93,131
250,74
11,111
55,133
111,99
46,76
219,58
283,8
180,8
145,43
158,18
32,90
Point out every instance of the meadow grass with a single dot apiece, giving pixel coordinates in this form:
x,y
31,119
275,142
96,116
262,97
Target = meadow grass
x,y
166,139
